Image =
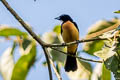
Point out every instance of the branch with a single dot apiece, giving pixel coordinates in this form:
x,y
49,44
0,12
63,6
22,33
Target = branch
x,y
103,31
48,62
77,56
56,72
27,27
74,42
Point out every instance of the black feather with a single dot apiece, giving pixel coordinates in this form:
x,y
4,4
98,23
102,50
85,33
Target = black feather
x,y
76,25
71,64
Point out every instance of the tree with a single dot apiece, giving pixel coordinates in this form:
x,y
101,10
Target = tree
x,y
103,37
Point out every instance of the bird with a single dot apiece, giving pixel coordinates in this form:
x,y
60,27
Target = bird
x,y
70,33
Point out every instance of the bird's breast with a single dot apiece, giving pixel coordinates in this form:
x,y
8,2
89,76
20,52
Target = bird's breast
x,y
70,32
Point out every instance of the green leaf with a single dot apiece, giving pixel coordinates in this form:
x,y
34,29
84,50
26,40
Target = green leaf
x,y
106,51
98,26
101,73
58,56
110,48
24,64
58,67
96,46
7,63
110,54
86,65
117,12
25,46
113,64
26,43
57,29
44,63
52,38
10,31
106,74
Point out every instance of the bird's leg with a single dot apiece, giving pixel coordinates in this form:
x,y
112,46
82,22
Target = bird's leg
x,y
63,44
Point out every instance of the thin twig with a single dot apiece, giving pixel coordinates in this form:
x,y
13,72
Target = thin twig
x,y
49,67
27,27
74,42
51,61
77,56
98,33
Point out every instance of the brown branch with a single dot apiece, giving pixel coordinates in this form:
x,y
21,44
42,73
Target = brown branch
x,y
77,56
74,42
48,62
27,27
103,31
56,72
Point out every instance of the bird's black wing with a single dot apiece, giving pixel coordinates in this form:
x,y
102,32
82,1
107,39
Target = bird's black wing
x,y
76,26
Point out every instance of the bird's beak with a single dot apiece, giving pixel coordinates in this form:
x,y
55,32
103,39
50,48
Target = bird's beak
x,y
58,18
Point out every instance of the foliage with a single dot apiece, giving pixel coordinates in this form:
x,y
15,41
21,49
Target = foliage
x,y
97,45
117,12
19,70
7,63
10,31
107,50
23,65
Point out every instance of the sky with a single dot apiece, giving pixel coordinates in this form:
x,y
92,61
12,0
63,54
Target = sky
x,y
40,15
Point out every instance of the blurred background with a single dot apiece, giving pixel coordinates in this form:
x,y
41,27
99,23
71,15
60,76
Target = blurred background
x,y
40,15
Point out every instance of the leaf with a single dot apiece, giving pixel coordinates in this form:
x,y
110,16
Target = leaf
x,y
107,52
10,31
44,63
96,46
106,74
24,64
83,72
57,56
113,64
57,29
110,47
25,46
7,63
26,43
101,73
117,12
49,37
86,65
110,54
53,38
98,26
58,67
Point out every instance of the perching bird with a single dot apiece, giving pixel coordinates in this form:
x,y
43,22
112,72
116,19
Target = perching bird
x,y
70,33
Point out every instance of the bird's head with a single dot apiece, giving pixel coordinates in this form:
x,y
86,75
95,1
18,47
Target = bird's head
x,y
64,18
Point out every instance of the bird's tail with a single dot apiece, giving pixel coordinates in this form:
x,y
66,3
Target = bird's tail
x,y
71,64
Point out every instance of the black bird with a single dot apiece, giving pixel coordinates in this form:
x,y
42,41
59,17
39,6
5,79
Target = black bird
x,y
70,33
